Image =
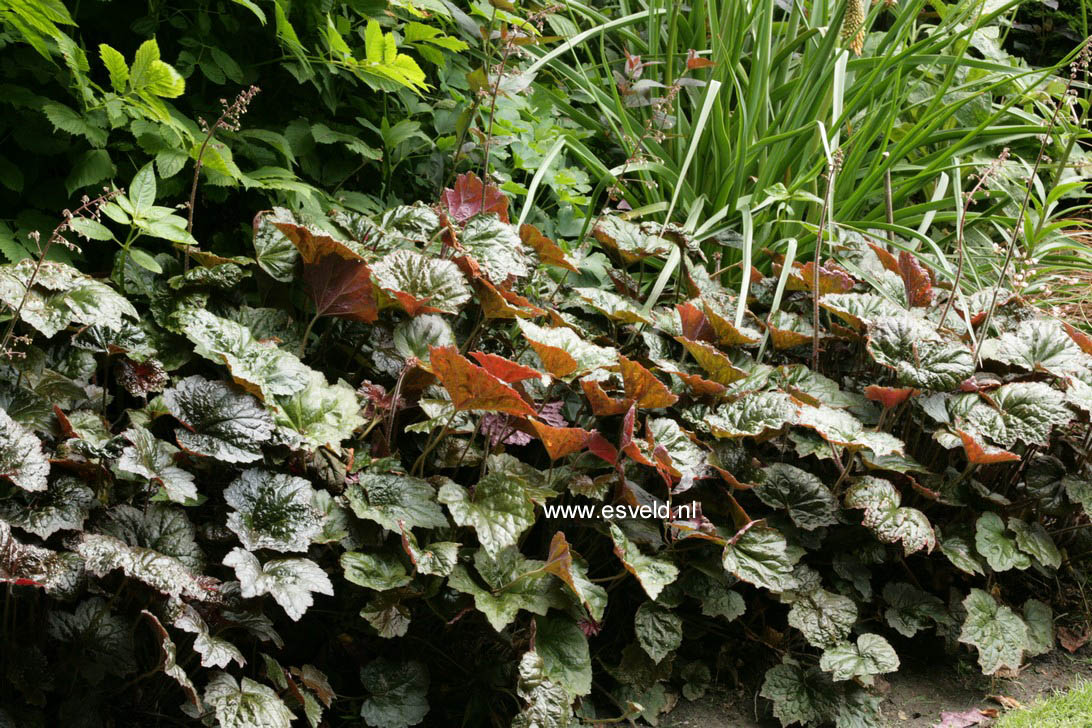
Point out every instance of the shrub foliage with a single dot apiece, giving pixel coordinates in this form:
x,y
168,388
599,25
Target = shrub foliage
x,y
206,503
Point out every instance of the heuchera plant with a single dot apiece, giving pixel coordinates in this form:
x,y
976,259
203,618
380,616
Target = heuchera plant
x,y
324,480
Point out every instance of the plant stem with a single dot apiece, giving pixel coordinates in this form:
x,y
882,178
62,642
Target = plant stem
x,y
307,333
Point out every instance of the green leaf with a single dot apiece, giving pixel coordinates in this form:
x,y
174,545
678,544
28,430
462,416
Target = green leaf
x,y
421,283
21,458
220,422
63,507
1040,621
919,356
823,617
415,336
659,630
142,189
321,413
65,119
397,692
215,651
259,366
861,309
273,251
717,600
115,65
809,503
653,572
60,296
499,509
563,648
145,260
245,705
153,459
376,571
871,655
998,632
90,229
437,559
1018,411
547,704
800,695
289,581
396,502
612,305
760,556
496,247
840,428
91,167
1000,550
97,641
102,554
1038,345
689,458
630,240
884,517
272,511
910,610
1033,539
960,553
159,527
512,583
753,414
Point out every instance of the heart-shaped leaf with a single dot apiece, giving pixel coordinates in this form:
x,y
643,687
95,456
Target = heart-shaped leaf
x,y
472,387
654,573
21,458
564,354
629,240
760,556
890,522
1038,345
63,507
823,617
753,414
396,502
245,705
422,284
397,693
498,510
272,511
808,502
472,197
290,582
999,634
871,655
220,422
919,356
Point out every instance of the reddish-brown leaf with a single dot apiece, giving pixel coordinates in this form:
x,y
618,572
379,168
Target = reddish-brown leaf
x,y
560,441
599,446
889,261
693,61
1080,338
471,197
338,280
832,278
560,564
500,303
626,442
916,280
980,453
643,387
547,250
473,388
602,404
694,323
726,332
700,386
341,287
504,369
1072,640
889,396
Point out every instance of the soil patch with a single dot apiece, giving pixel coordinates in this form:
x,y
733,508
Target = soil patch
x,y
914,697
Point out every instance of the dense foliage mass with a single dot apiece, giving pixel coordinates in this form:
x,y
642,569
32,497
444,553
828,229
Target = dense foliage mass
x,y
292,424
